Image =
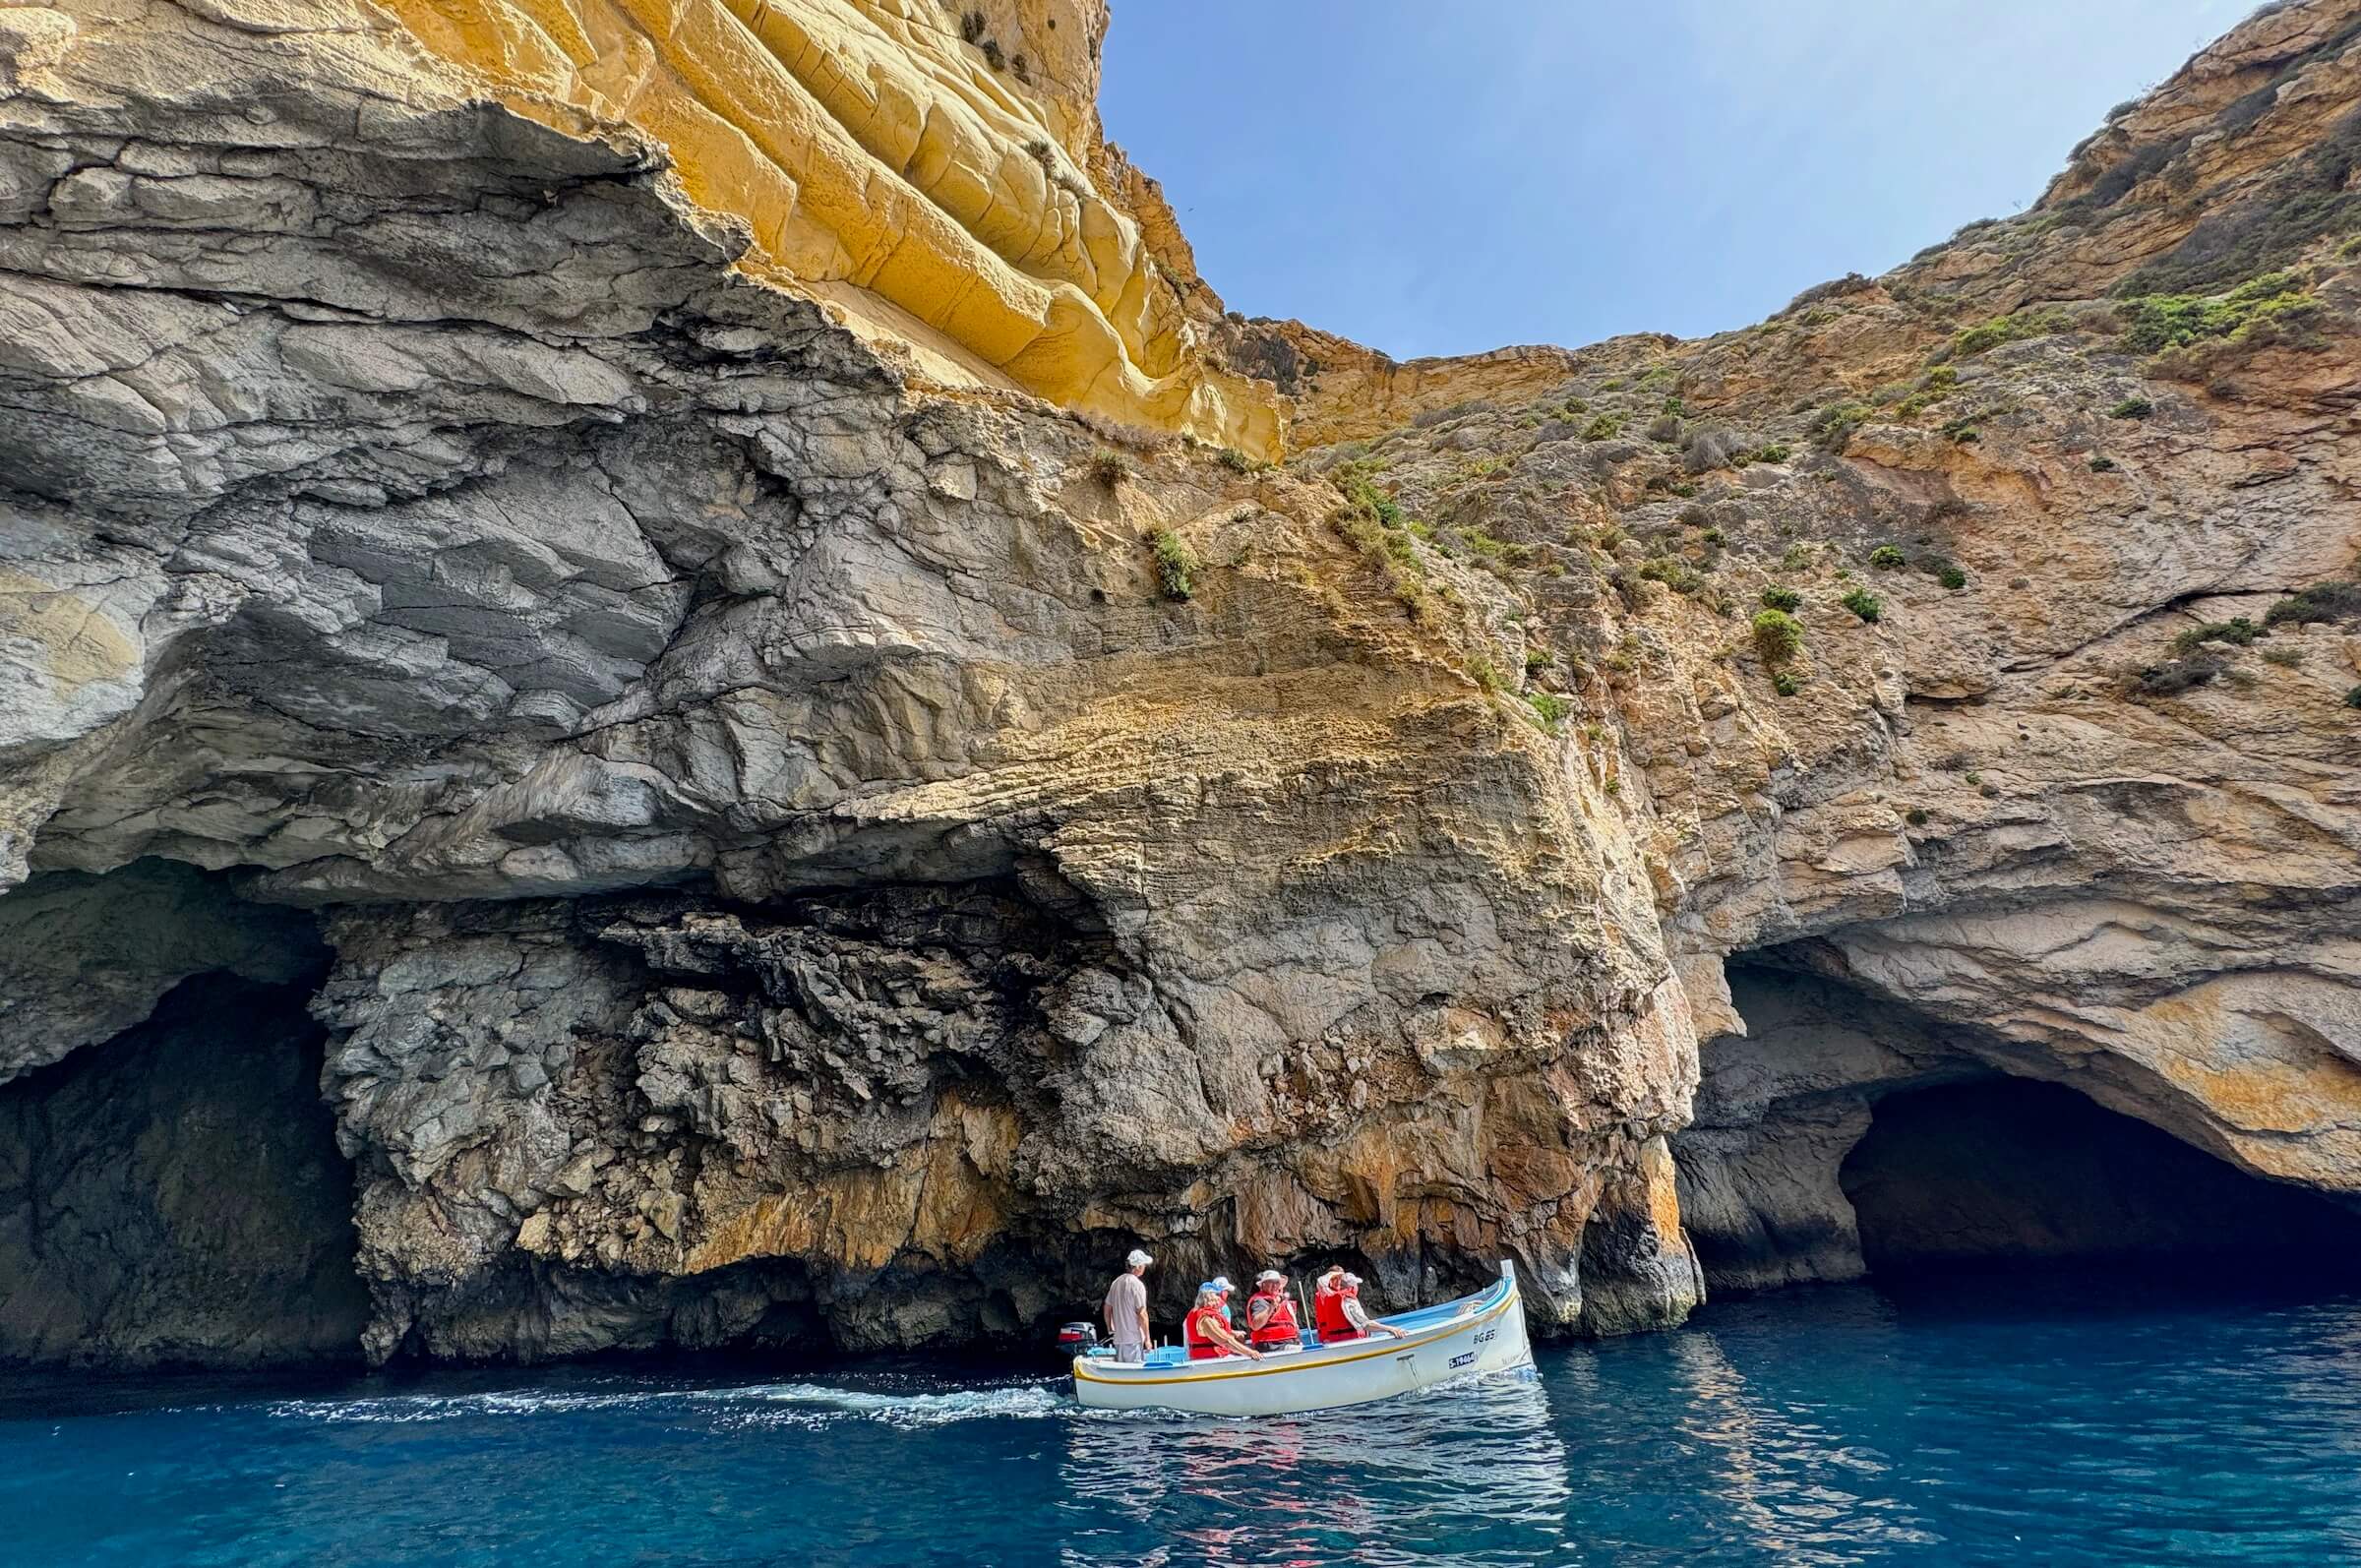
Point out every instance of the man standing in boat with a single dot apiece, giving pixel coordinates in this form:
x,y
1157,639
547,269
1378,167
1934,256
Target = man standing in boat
x,y
1127,1309
1271,1314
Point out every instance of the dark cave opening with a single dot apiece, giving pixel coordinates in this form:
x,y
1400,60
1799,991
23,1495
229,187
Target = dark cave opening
x,y
2009,1171
174,1197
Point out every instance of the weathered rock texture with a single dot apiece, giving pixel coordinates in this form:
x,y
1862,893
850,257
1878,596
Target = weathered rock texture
x,y
818,844
936,173
175,1196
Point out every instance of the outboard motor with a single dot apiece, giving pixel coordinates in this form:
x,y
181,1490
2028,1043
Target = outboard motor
x,y
1078,1339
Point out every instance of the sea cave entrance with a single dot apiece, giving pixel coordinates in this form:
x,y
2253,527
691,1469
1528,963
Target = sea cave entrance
x,y
1848,1134
173,1196
2008,1169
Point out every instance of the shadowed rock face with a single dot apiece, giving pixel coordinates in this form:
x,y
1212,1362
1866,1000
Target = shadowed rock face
x,y
810,848
174,1196
2009,1171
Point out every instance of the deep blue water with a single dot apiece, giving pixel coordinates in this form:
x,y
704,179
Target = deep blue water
x,y
2034,1420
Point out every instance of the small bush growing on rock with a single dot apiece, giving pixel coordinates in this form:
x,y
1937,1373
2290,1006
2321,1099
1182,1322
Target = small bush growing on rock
x,y
1176,563
1237,463
1551,707
1862,602
1951,576
1971,341
1936,385
2238,631
1775,451
1111,468
1708,448
1777,636
2323,601
2132,408
2175,676
2103,465
1787,683
2153,323
1887,558
1776,597
1715,537
2352,698
1606,427
2285,658
1915,817
1392,553
1675,573
1832,426
1665,427
1485,673
1797,558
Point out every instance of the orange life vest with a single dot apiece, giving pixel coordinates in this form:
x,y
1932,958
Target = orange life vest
x,y
1280,1328
1202,1345
1328,1315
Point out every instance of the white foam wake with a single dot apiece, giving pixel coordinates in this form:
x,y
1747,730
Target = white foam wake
x,y
773,1403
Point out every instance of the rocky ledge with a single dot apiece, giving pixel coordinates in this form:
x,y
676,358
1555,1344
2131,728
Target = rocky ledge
x,y
784,843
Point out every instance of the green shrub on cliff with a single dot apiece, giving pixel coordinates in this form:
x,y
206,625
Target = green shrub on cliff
x,y
1777,636
2323,601
1776,597
1177,565
1862,602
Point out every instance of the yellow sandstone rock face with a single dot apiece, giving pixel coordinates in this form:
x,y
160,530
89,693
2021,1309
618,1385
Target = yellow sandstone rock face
x,y
928,170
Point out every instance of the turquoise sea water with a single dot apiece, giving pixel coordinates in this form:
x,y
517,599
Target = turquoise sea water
x,y
2038,1420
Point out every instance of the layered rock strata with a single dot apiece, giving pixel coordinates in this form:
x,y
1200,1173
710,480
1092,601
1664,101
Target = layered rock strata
x,y
814,844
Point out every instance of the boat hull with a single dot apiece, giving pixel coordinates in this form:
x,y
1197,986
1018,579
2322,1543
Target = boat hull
x,y
1468,1338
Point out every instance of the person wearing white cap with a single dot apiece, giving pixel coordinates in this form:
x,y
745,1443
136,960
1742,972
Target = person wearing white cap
x,y
1359,1315
1271,1313
1221,1283
1126,1308
1337,1312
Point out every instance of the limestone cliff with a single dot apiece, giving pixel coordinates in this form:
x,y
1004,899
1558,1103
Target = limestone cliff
x,y
935,172
584,505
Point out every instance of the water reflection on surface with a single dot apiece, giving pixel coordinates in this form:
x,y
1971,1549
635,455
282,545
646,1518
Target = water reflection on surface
x,y
1476,1468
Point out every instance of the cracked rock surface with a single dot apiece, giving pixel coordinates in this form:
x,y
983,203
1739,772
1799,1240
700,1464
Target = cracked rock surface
x,y
815,851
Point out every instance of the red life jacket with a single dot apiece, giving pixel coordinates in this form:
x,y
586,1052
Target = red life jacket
x,y
1202,1345
1280,1328
1328,1316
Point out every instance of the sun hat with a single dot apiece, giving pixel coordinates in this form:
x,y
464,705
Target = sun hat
x,y
1268,1274
1221,1282
1139,1259
1352,1278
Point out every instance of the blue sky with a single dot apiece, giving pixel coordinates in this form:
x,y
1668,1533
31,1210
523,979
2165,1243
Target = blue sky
x,y
1444,178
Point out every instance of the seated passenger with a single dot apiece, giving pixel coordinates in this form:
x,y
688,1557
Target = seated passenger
x,y
1271,1313
1337,1312
1221,1283
1358,1316
1209,1338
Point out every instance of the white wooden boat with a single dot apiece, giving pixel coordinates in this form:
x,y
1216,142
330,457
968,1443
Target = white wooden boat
x,y
1466,1337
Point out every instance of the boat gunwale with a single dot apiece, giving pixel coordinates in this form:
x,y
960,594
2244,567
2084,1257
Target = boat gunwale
x,y
1409,1341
